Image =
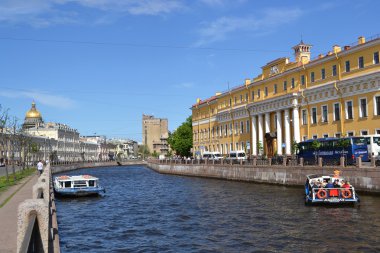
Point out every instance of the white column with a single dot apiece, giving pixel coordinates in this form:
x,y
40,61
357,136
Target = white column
x,y
279,133
296,122
254,136
267,122
261,132
287,133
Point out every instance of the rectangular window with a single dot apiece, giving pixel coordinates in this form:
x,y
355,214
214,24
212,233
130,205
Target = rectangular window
x,y
363,108
258,93
304,138
312,77
325,135
349,110
313,115
349,134
304,117
241,98
293,84
334,70
364,132
285,85
324,113
361,62
376,58
247,127
225,130
348,69
246,97
315,136
275,121
275,89
266,91
338,135
323,73
241,127
237,145
253,95
336,112
235,101
236,127
303,79
377,105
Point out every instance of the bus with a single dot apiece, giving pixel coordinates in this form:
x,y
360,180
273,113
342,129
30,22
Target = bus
x,y
331,150
373,143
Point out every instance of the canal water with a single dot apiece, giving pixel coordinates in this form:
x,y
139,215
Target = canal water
x,y
143,211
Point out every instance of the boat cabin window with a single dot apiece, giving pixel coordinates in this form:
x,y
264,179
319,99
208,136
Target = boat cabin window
x,y
67,184
91,183
80,183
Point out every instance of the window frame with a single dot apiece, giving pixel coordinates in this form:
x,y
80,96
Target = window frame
x,y
376,59
361,109
352,109
376,105
312,77
324,118
314,120
304,116
335,113
361,62
347,66
323,73
334,70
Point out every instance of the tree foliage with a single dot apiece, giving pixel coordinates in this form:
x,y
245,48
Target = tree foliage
x,y
181,140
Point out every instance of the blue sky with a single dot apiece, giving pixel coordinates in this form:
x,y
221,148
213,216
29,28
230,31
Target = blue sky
x,y
98,65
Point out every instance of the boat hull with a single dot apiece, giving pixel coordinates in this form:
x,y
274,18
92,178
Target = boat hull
x,y
79,192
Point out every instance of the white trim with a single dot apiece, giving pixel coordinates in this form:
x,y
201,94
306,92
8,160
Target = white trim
x,y
375,112
360,107
361,132
377,130
338,133
311,116
327,116
302,113
346,109
314,136
334,115
324,135
353,133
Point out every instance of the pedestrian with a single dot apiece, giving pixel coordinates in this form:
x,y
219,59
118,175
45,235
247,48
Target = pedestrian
x,y
40,167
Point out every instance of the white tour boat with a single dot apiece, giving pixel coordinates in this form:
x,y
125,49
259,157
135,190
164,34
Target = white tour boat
x,y
76,186
329,190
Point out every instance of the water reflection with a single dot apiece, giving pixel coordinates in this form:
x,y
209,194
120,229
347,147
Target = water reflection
x,y
148,212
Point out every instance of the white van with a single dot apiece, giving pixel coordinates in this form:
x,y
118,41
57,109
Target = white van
x,y
211,155
373,144
237,155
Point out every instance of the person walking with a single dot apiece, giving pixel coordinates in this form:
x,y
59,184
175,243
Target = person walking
x,y
40,167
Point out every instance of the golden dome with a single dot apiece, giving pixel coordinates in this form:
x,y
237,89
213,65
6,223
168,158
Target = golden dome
x,y
33,113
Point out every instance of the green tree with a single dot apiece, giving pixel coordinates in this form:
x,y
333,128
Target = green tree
x,y
144,151
155,154
343,143
295,147
181,140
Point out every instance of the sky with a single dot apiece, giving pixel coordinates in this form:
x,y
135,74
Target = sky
x,y
98,65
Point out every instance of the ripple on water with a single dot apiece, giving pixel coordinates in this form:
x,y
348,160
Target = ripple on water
x,y
148,212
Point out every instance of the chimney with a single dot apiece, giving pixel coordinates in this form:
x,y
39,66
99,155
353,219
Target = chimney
x,y
320,56
347,47
198,100
218,94
247,81
336,49
361,40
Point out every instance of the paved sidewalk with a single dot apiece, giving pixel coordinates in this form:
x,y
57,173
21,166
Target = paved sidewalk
x,y
8,213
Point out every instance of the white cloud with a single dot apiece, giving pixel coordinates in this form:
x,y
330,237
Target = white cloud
x,y
267,21
41,98
50,12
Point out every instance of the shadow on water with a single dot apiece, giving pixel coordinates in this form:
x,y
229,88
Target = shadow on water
x,y
143,211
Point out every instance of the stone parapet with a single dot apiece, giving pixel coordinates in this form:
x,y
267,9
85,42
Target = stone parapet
x,y
363,179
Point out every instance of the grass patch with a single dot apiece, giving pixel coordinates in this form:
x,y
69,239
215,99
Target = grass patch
x,y
4,185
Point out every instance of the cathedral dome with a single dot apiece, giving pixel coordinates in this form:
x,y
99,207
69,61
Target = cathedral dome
x,y
33,113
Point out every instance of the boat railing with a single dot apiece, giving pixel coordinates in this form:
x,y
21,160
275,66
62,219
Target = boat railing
x,y
327,193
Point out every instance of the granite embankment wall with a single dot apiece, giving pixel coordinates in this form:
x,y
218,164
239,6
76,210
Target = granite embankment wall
x,y
363,179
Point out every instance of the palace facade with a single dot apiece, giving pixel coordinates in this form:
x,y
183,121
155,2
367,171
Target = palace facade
x,y
336,94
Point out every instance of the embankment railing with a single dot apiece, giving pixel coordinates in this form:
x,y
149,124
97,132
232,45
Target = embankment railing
x,y
37,222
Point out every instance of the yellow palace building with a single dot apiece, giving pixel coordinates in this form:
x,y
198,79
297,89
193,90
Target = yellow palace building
x,y
336,94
